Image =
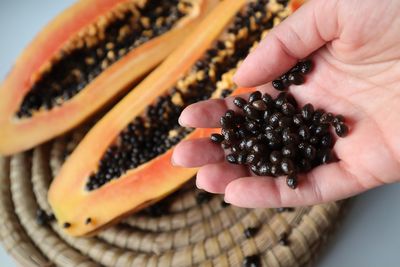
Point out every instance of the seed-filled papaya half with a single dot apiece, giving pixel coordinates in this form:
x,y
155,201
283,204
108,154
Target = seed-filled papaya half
x,y
90,54
123,163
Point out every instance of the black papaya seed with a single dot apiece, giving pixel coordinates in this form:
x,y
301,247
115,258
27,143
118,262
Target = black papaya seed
x,y
304,133
232,158
241,158
298,119
283,240
252,158
268,100
305,66
289,151
275,170
259,105
307,112
285,122
229,135
250,232
254,169
259,148
278,85
280,99
338,119
229,114
216,138
239,102
226,122
296,78
275,118
288,109
326,141
275,156
317,116
291,181
252,112
341,129
325,156
321,129
251,261
326,118
287,166
254,96
250,143
314,140
310,152
264,168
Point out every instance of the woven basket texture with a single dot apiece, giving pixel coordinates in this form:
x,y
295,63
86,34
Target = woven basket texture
x,y
190,234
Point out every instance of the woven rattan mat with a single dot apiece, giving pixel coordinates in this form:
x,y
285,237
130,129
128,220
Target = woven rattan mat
x,y
190,234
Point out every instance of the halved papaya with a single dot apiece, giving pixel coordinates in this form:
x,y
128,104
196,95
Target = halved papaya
x,y
88,55
123,163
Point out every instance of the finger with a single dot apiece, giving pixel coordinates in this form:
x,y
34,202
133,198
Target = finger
x,y
195,153
207,114
306,30
215,177
325,183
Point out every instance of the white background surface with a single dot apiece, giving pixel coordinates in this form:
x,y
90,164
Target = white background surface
x,y
369,234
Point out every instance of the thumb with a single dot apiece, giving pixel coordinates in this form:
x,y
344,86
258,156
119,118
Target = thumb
x,y
306,30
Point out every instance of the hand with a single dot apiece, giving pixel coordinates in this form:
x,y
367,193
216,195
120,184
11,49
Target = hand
x,y
355,47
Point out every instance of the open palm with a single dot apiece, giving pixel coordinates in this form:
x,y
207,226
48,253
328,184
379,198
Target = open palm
x,y
355,47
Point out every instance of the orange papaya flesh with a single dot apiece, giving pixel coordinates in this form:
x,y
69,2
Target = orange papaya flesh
x,y
243,90
295,4
200,68
91,53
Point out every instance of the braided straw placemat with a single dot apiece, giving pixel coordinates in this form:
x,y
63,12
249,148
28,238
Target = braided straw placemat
x,y
190,234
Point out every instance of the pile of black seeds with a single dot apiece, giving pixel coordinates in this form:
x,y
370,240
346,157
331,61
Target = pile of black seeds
x,y
75,71
147,136
295,76
275,137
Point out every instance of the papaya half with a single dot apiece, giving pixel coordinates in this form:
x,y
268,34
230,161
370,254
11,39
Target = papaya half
x,y
123,163
87,56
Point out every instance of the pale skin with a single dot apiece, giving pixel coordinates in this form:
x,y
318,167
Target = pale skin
x,y
355,47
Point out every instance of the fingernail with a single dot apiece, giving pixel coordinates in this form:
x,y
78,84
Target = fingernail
x,y
235,76
181,123
197,185
238,71
226,200
173,160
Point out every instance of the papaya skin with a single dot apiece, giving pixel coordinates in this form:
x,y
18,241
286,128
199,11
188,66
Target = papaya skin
x,y
151,181
21,134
